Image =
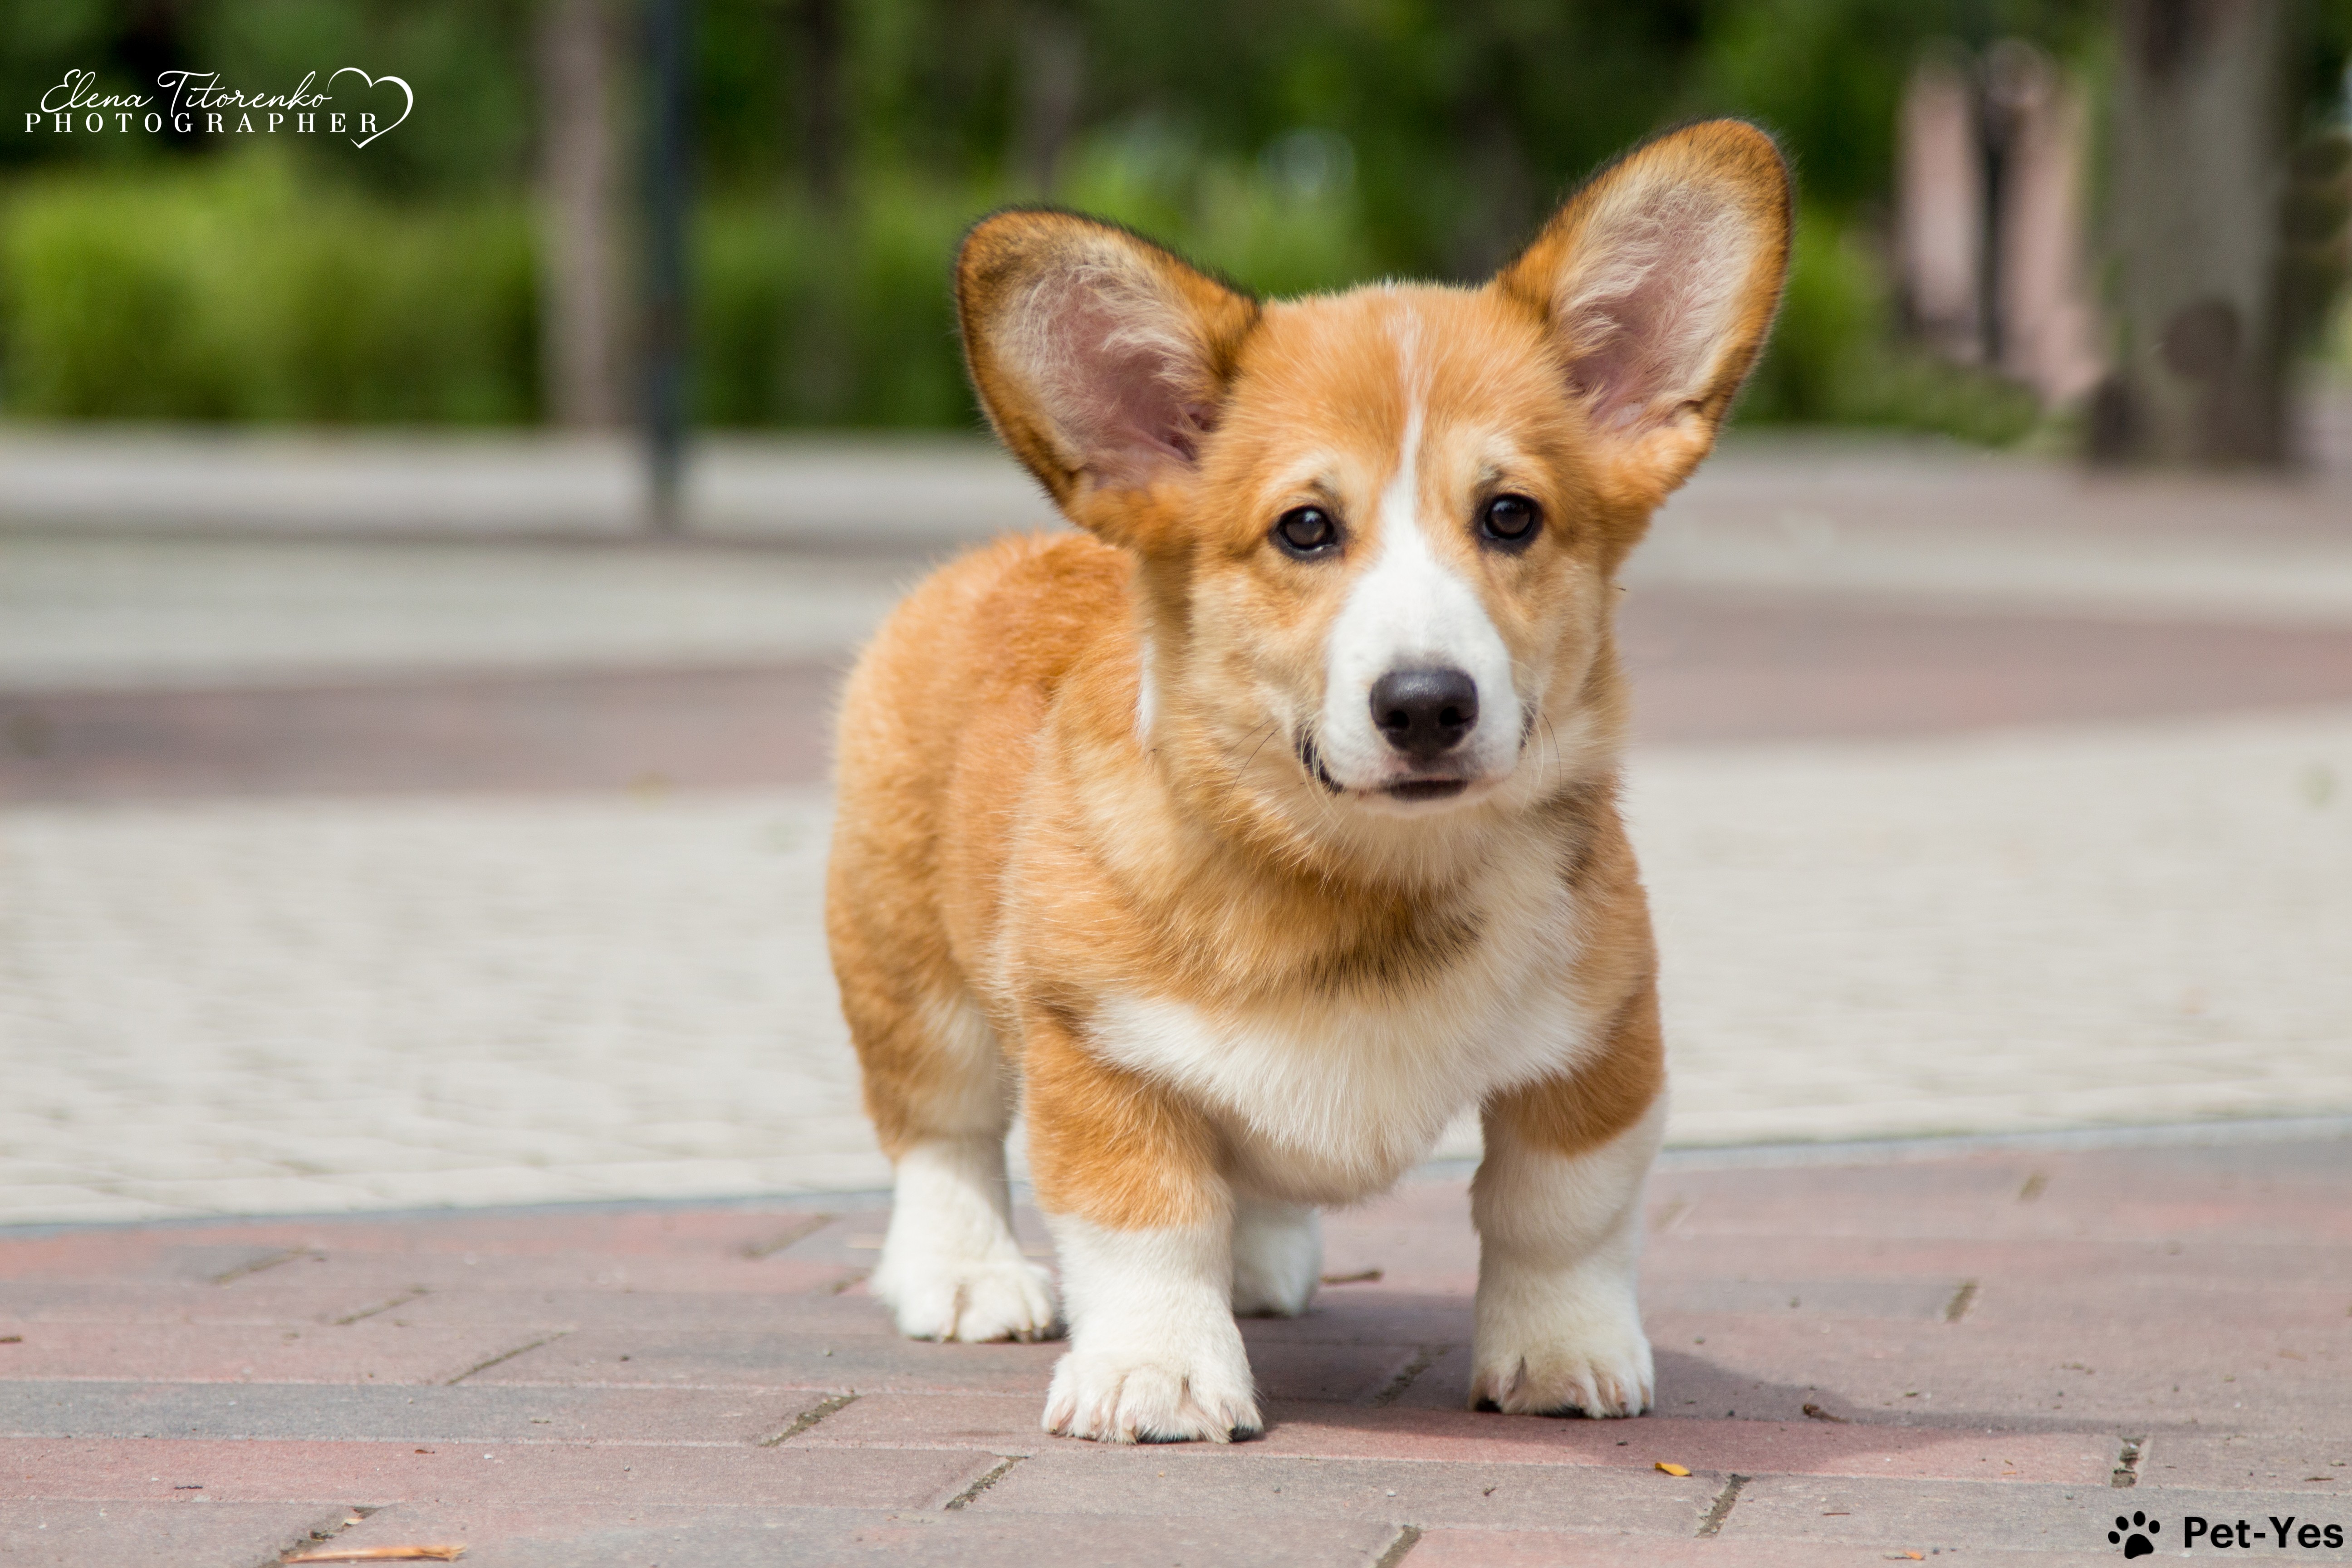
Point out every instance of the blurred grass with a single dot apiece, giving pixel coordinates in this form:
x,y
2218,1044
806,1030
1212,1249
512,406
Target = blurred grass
x,y
237,291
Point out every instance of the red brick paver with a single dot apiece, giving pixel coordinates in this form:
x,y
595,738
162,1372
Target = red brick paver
x,y
1986,1355
1707,665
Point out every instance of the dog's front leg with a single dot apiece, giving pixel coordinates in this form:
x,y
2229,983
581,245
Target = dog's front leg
x,y
1154,1356
1142,1222
1557,1204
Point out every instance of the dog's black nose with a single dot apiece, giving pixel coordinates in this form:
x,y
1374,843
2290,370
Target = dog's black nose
x,y
1424,712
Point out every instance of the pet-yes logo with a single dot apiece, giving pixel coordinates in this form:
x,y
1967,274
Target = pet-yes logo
x,y
2134,1534
350,103
2139,1535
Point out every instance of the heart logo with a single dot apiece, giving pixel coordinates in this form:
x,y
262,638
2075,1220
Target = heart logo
x,y
408,98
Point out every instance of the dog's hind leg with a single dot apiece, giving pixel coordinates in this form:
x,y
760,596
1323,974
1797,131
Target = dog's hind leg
x,y
951,1268
1277,1258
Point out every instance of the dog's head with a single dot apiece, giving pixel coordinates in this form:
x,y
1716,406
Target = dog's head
x,y
1378,529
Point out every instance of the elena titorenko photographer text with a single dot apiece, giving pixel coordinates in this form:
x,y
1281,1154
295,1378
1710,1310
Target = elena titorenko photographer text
x,y
197,103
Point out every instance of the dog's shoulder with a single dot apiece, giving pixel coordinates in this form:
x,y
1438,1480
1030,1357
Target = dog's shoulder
x,y
1043,597
1002,622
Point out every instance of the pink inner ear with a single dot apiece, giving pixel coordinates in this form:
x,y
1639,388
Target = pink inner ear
x,y
1647,303
1120,379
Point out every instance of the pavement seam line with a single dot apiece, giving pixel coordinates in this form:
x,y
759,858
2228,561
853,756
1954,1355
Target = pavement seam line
x,y
2127,1459
776,1244
1720,1510
1408,1536
412,1293
856,1278
272,1260
1962,1300
505,1356
810,1417
995,1473
1424,1359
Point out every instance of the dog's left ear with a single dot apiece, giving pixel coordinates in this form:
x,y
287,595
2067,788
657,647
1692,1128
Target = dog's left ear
x,y
1657,282
1102,359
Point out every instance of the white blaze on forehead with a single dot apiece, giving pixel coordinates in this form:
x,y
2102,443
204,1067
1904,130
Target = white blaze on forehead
x,y
1411,609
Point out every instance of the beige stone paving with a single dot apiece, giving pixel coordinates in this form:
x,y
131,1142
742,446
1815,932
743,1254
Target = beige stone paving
x,y
110,612
2005,933
366,1004
225,1007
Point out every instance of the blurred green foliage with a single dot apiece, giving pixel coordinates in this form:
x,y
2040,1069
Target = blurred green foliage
x,y
838,317
845,144
232,291
1834,362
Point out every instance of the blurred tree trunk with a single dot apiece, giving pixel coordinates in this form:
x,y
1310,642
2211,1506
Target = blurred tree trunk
x,y
818,45
580,313
2196,181
2040,293
818,378
1940,205
1053,79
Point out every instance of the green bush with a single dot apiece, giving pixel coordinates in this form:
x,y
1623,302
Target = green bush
x,y
231,292
1284,223
1835,359
806,317
237,291
811,317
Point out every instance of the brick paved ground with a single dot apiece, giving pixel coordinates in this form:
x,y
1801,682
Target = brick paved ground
x,y
1986,1356
1707,665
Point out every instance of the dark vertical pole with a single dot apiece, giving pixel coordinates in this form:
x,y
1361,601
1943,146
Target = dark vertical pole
x,y
1996,128
669,23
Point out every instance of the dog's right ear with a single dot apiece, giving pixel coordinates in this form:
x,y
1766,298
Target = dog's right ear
x,y
1101,359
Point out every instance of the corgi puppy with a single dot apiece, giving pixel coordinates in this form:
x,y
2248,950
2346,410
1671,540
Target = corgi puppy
x,y
1244,836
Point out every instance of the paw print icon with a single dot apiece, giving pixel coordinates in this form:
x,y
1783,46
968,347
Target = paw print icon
x,y
2133,1535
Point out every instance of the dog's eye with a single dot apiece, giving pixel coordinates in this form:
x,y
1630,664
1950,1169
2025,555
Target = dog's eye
x,y
1306,530
1509,520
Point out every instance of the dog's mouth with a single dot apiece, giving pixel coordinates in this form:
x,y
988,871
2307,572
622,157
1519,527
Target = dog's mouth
x,y
1310,757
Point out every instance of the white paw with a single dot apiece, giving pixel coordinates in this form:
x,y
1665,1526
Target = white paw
x,y
995,1298
1554,1354
1134,1398
1278,1259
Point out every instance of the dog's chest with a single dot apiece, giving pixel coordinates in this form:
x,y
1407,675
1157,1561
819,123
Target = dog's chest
x,y
1330,1093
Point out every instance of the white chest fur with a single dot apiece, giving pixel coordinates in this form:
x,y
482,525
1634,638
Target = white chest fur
x,y
1327,1099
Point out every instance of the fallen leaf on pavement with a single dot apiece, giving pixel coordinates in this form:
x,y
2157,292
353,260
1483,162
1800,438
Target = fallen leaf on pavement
x,y
1818,1413
1672,1469
1361,1277
383,1554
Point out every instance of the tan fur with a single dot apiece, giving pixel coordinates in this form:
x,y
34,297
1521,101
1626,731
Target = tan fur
x,y
1109,1144
1009,849
1570,1112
